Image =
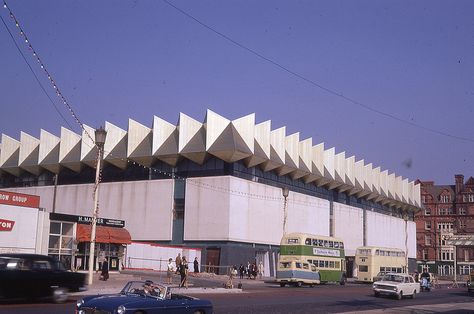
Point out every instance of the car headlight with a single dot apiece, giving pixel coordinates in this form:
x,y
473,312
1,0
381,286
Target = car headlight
x,y
79,303
374,286
121,309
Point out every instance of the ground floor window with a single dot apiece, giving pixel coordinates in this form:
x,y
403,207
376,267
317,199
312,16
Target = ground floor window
x,y
445,270
111,251
61,242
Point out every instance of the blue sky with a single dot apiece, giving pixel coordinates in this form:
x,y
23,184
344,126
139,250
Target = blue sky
x,y
115,60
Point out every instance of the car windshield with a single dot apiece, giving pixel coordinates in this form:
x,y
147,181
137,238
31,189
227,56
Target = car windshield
x,y
392,277
148,289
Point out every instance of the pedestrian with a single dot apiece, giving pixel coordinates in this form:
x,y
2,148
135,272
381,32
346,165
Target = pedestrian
x,y
178,263
169,272
260,269
241,271
248,269
417,276
183,271
232,274
104,271
196,265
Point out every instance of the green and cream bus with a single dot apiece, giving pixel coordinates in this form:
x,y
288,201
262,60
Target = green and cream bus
x,y
310,259
372,262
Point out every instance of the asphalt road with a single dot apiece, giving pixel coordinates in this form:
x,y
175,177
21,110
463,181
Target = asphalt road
x,y
258,297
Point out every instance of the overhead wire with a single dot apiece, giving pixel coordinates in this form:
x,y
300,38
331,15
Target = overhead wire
x,y
312,82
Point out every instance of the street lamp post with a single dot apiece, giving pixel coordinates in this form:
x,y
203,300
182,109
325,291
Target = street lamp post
x,y
285,192
100,135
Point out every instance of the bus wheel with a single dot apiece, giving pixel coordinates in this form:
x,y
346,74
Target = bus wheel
x,y
282,284
299,284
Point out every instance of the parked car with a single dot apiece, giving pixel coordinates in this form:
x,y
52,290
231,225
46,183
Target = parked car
x,y
143,297
396,284
32,276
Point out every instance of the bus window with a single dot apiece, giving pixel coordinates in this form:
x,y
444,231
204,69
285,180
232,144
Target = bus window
x,y
285,265
325,243
293,241
331,264
320,243
336,245
341,245
321,264
363,268
382,269
377,252
331,244
315,262
305,266
315,242
338,265
326,264
298,265
308,241
310,261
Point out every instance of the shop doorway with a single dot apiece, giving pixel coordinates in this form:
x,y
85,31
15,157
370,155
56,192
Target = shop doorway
x,y
213,256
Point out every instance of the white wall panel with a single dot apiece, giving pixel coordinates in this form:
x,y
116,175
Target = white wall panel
x,y
22,237
388,231
348,225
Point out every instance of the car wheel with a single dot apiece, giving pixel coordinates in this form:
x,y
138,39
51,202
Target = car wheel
x,y
282,284
299,284
199,312
414,294
60,295
400,295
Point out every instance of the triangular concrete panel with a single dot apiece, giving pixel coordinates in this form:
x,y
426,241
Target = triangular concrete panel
x,y
215,125
245,127
340,167
115,147
29,153
140,143
48,156
261,145
359,174
350,171
88,147
192,139
165,141
291,155
70,150
277,149
10,154
230,146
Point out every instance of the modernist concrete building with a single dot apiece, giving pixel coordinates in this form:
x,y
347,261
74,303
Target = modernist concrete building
x,y
216,186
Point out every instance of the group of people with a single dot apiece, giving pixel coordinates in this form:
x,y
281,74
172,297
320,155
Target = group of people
x,y
182,268
251,270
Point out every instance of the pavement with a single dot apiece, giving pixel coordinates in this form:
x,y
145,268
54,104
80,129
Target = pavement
x,y
198,283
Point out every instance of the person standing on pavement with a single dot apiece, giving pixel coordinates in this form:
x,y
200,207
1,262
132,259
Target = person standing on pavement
x,y
178,263
183,271
260,269
241,271
196,265
104,273
169,272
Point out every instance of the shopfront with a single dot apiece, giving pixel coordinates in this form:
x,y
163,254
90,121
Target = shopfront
x,y
70,237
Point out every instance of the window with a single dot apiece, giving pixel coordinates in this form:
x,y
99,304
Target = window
x,y
442,211
363,268
445,198
427,240
461,211
466,255
293,241
424,254
446,255
468,198
427,225
449,211
446,227
427,211
462,224
308,241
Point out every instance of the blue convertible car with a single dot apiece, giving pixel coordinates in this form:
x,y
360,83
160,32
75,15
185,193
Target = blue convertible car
x,y
143,297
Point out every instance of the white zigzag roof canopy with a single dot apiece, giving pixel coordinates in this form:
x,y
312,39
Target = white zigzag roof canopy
x,y
230,141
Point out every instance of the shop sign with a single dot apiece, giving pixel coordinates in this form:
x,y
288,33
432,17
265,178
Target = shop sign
x,y
17,199
87,220
6,225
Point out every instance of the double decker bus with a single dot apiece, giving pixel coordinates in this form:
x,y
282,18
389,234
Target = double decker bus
x,y
372,262
310,259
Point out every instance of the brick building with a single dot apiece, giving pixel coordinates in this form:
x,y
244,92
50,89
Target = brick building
x,y
448,210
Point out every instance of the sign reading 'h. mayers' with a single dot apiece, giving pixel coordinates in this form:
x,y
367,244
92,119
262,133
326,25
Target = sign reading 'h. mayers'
x,y
6,225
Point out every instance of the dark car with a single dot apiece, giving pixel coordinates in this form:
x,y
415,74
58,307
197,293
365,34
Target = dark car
x,y
33,276
143,297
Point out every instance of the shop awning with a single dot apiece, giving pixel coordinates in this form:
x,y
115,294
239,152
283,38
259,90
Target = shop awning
x,y
103,234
